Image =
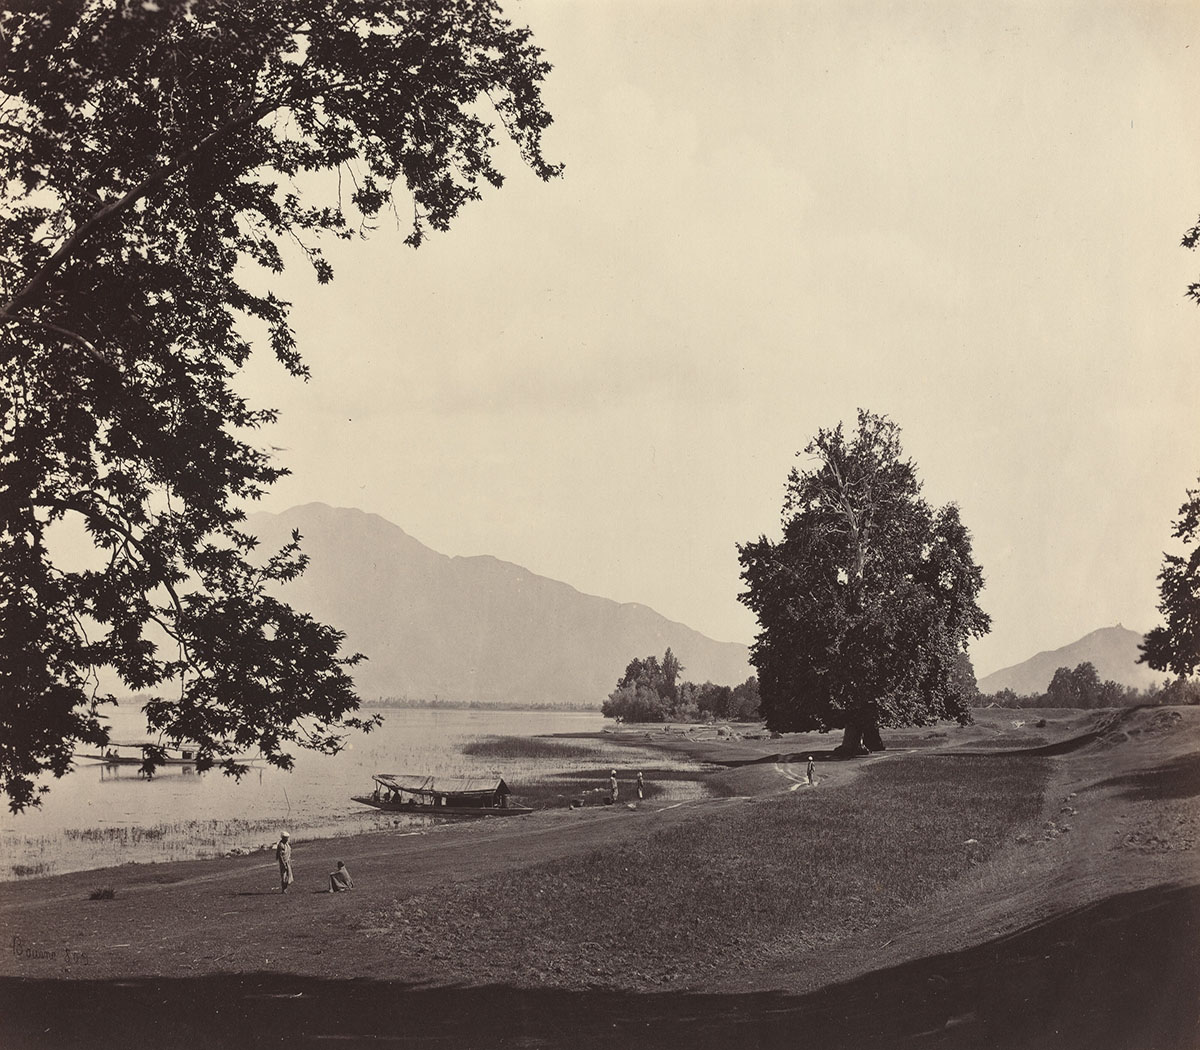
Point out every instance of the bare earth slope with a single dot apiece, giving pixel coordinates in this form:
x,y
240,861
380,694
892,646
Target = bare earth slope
x,y
1081,933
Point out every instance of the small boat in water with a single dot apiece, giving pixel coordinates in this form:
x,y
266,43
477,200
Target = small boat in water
x,y
134,754
441,796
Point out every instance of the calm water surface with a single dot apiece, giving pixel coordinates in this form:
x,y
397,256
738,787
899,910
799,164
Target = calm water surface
x,y
102,815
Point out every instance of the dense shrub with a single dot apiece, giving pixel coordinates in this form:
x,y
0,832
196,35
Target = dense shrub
x,y
648,692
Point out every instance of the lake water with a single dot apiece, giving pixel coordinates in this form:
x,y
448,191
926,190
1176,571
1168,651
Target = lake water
x,y
100,815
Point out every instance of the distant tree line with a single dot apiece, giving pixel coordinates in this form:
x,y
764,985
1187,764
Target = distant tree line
x,y
650,691
1082,687
478,705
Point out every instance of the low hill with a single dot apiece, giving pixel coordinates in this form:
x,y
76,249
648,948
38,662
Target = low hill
x,y
1113,651
472,628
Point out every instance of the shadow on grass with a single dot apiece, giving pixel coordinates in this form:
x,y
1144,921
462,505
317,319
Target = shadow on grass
x,y
1121,973
791,758
1177,779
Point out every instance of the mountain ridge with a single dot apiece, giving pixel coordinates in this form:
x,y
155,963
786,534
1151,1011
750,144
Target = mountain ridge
x,y
1112,650
472,627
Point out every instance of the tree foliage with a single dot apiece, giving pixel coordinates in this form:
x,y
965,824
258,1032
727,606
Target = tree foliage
x,y
739,703
1082,687
158,162
1175,647
866,604
649,691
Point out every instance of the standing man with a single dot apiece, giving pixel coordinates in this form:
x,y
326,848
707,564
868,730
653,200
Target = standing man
x,y
283,854
612,785
812,771
641,785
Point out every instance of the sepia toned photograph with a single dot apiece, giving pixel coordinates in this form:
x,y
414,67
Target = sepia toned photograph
x,y
600,524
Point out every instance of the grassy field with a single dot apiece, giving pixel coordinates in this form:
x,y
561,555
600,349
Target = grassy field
x,y
688,902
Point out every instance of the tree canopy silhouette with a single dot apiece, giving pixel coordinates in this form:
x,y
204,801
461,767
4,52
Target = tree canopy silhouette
x,y
157,164
1175,646
866,604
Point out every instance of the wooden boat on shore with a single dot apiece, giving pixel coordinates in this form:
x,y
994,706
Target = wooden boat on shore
x,y
441,796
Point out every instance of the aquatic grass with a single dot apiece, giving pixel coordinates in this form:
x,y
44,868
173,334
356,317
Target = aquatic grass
x,y
124,835
526,747
105,893
24,871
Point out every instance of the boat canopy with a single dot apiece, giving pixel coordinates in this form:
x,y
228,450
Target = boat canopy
x,y
451,787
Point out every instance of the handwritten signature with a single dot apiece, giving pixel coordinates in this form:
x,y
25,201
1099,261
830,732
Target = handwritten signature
x,y
24,949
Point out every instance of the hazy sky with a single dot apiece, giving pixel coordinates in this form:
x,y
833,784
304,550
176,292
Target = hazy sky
x,y
964,215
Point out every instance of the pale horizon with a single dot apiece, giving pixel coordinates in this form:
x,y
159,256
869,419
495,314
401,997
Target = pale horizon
x,y
964,217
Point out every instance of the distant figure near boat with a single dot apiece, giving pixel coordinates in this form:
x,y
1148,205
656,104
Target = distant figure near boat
x,y
812,771
641,785
283,854
612,785
339,880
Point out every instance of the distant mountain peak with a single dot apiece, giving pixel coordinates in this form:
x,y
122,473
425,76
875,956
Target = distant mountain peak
x,y
1112,650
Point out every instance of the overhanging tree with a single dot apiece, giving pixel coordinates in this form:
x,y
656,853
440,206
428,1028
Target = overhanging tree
x,y
1175,646
866,604
149,155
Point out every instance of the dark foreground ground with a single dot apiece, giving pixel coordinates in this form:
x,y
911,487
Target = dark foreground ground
x,y
1082,932
1120,973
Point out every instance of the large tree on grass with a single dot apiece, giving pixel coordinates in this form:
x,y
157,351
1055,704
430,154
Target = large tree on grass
x,y
866,604
157,164
1175,646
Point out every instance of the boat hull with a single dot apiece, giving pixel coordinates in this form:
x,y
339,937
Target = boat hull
x,y
125,761
424,810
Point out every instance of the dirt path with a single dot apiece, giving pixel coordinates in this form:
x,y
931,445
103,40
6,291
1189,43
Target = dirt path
x,y
1084,935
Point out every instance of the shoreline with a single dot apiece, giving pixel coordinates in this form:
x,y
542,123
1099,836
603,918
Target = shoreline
x,y
156,873
744,753
1082,924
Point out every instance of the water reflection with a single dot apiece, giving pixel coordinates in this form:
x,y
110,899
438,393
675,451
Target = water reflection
x,y
111,773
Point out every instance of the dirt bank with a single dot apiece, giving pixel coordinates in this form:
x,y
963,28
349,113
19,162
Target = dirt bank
x,y
1081,933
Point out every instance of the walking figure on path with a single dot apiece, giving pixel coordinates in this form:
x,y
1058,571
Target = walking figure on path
x,y
283,854
612,785
812,771
641,785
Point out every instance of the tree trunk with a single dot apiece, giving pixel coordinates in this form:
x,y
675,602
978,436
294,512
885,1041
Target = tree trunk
x,y
860,737
851,744
871,738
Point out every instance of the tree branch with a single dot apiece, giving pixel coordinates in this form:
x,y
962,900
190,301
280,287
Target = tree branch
x,y
66,333
245,115
129,538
